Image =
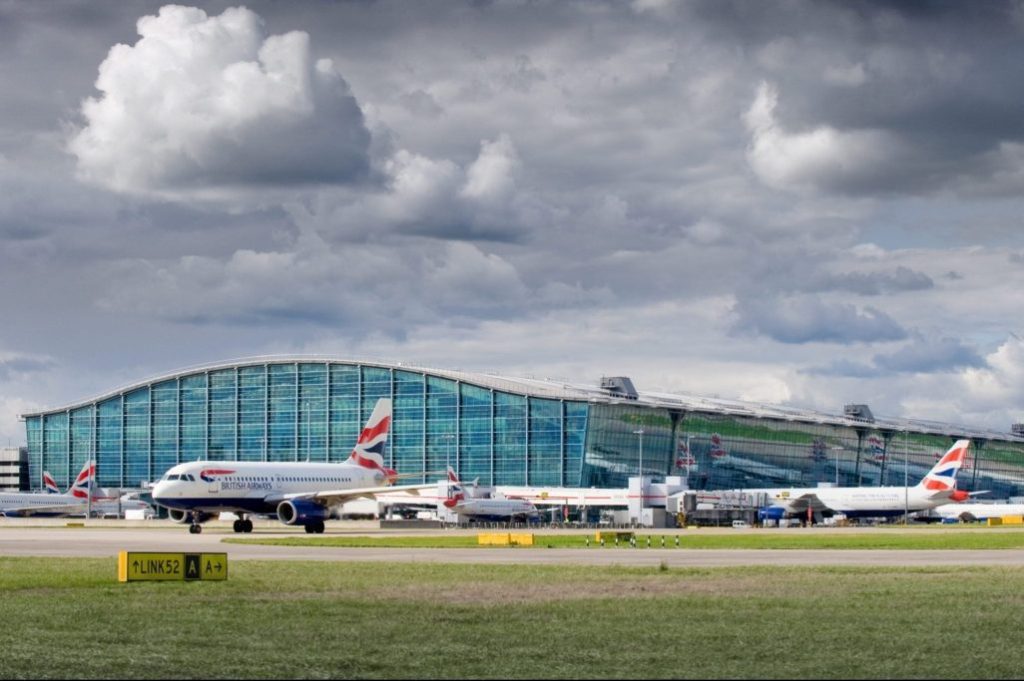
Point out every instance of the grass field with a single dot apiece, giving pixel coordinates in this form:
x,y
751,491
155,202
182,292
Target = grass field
x,y
71,619
796,539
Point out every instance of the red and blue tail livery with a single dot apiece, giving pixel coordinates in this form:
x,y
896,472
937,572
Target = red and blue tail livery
x,y
50,483
299,493
83,483
369,449
942,476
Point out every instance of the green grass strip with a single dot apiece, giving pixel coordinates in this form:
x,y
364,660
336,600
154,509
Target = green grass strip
x,y
795,539
69,618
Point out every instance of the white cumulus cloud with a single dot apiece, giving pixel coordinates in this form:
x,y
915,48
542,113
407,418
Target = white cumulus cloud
x,y
823,157
203,105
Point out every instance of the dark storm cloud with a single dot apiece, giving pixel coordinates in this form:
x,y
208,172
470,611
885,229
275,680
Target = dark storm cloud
x,y
715,173
928,82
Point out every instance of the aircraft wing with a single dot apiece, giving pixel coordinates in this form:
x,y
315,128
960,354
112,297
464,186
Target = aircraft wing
x,y
800,503
335,497
26,511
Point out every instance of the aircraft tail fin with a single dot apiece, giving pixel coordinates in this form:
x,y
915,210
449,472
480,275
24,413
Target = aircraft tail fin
x,y
455,491
369,449
50,483
82,486
942,476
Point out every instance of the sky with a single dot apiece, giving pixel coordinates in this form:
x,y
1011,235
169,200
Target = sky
x,y
798,203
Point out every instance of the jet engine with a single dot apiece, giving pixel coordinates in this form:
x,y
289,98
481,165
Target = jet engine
x,y
301,512
185,517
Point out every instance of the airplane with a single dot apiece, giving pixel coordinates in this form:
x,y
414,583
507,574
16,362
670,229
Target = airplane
x,y
299,493
501,508
722,458
936,488
114,506
978,511
75,501
50,484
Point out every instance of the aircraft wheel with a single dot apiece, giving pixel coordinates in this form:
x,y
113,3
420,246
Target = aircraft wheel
x,y
319,529
238,526
308,528
247,526
195,529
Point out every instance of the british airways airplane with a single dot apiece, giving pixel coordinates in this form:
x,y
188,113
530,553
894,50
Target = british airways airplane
x,y
936,488
504,508
299,493
76,501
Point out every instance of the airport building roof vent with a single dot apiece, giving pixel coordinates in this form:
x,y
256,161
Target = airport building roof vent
x,y
861,412
619,386
1017,429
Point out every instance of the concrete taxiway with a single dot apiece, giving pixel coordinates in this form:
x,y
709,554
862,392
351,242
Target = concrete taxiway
x,y
79,540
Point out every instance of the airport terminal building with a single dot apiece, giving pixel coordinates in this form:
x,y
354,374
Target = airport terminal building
x,y
502,430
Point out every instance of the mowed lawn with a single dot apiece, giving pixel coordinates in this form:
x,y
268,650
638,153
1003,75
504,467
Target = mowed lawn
x,y
70,618
876,538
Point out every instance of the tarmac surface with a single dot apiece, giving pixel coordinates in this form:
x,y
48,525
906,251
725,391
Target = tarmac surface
x,y
69,538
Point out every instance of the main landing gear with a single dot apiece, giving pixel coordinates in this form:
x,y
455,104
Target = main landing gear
x,y
315,527
242,525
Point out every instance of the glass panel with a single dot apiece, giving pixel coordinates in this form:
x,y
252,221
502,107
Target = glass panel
x,y
193,418
313,412
252,417
56,457
223,414
283,416
442,433
344,405
474,433
165,426
408,426
509,439
108,458
136,438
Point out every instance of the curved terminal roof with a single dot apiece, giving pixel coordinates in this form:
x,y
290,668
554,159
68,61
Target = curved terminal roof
x,y
554,389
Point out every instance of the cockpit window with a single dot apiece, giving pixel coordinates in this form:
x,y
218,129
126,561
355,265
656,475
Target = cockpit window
x,y
172,477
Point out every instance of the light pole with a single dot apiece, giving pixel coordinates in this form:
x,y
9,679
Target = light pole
x,y
640,432
906,488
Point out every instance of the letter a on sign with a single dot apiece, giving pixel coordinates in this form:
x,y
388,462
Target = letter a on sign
x,y
192,562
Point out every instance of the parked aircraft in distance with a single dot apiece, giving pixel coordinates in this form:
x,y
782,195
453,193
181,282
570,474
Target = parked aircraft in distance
x,y
115,505
722,458
50,484
74,502
299,493
979,511
490,508
936,488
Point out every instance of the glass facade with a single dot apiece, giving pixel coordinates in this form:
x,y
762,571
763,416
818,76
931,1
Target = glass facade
x,y
314,410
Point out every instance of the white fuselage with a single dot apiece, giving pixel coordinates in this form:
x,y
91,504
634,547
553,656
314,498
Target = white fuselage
x,y
979,511
854,501
495,508
36,503
251,486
